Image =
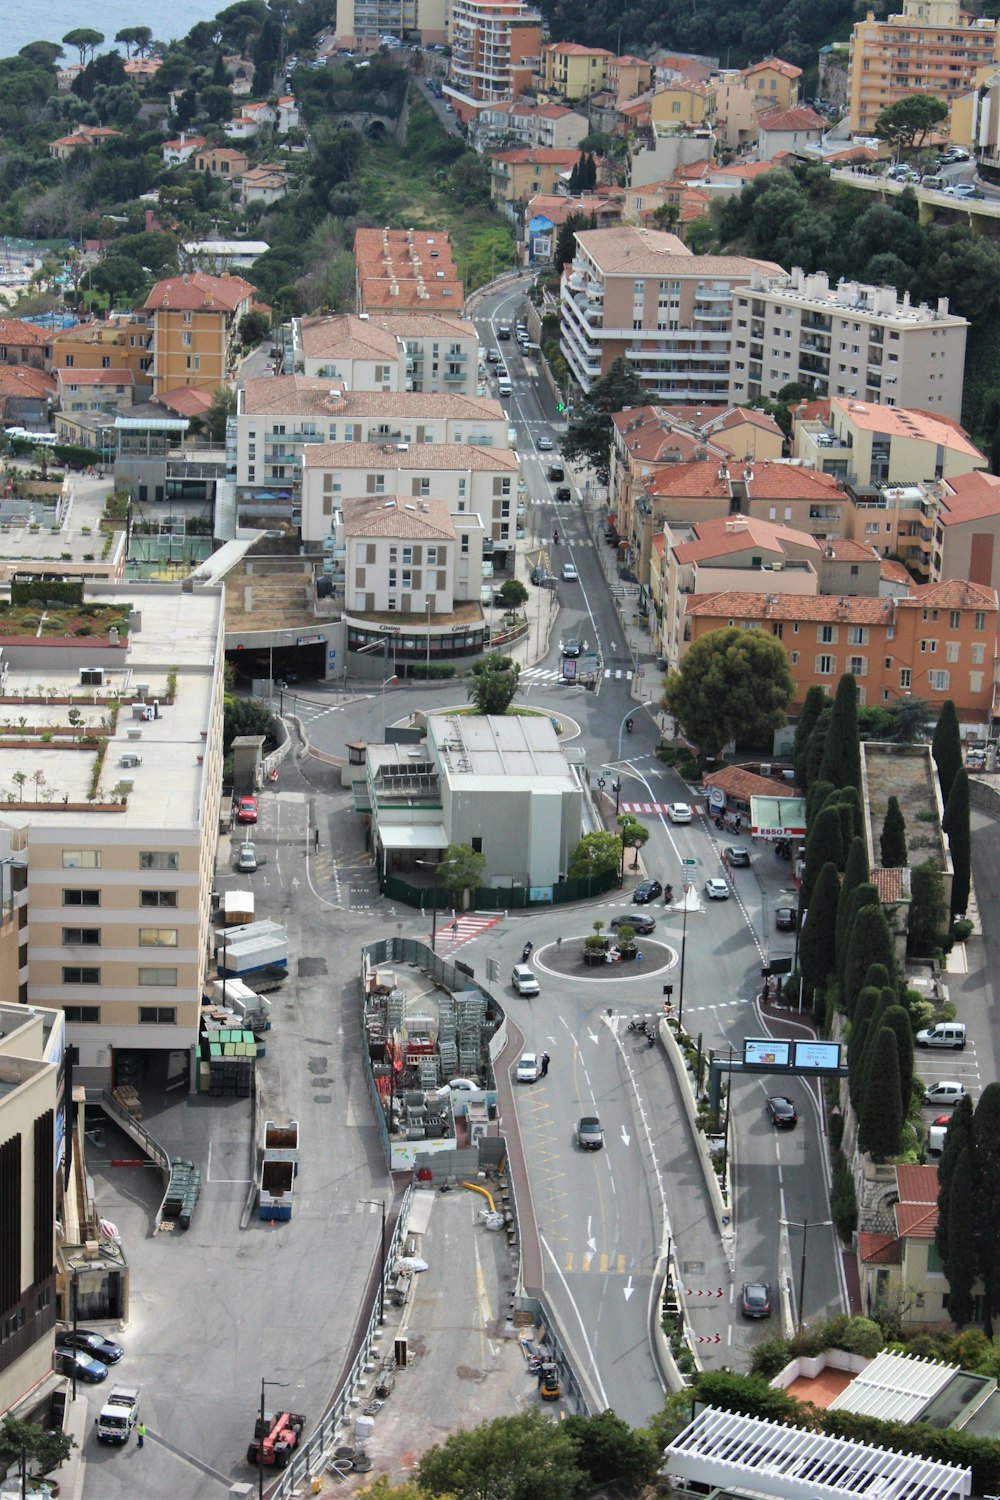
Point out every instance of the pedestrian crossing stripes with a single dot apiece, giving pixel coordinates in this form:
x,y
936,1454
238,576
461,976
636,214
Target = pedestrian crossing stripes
x,y
542,674
618,673
453,933
643,807
591,1261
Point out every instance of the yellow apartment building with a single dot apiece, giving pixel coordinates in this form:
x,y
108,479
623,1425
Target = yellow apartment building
x,y
933,47
520,174
195,319
775,84
567,70
683,103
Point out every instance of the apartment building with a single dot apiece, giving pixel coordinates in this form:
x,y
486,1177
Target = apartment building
x,y
775,84
401,270
417,351
117,344
407,558
277,419
195,320
23,344
360,25
737,110
94,390
975,117
641,295
866,444
684,101
520,174
551,127
932,47
567,70
494,44
479,481
119,838
967,530
849,340
937,641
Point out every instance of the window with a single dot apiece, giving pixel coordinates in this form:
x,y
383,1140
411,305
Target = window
x,y
826,666
975,682
157,937
951,651
157,898
954,619
82,1015
978,654
93,898
857,666
904,677
157,1015
91,936
929,647
777,629
162,977
827,634
857,635
477,844
156,859
81,859
980,619
939,681
76,975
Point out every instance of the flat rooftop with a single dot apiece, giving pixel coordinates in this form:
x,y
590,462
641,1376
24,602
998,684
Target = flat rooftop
x,y
79,539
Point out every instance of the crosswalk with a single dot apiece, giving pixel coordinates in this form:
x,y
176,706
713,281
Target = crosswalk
x,y
451,934
553,674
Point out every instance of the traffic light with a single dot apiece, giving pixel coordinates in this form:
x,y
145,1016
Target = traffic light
x,y
668,990
560,406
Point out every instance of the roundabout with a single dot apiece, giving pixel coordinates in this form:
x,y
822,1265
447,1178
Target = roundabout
x,y
565,960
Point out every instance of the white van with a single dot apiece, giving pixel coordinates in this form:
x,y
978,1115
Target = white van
x,y
944,1034
504,387
523,979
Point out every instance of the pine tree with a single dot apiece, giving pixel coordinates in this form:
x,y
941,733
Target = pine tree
x,y
892,844
986,1191
812,707
946,748
958,1138
961,1259
855,874
870,942
842,752
818,938
956,825
881,1117
823,845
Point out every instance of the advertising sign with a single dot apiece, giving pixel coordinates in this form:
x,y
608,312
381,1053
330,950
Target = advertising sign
x,y
817,1054
764,1050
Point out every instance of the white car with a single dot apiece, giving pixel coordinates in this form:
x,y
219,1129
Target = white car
x,y
247,859
679,812
529,1068
716,889
569,573
545,443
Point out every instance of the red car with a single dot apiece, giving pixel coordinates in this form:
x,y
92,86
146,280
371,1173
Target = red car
x,y
247,811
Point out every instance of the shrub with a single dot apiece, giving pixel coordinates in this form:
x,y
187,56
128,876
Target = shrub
x,y
863,1337
770,1357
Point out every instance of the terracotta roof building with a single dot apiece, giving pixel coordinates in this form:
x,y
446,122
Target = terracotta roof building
x,y
195,320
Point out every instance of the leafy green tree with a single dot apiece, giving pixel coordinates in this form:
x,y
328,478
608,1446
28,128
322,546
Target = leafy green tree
x,y
927,919
961,1261
85,39
633,835
855,873
701,236
588,439
215,103
494,684
41,1448
731,684
909,121
608,1450
818,938
880,1120
461,869
222,408
958,1138
870,942
892,843
824,843
595,854
812,707
254,329
513,594
244,716
41,54
956,825
138,37
842,753
946,748
986,1191
523,1457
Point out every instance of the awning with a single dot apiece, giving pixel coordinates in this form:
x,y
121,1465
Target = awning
x,y
413,836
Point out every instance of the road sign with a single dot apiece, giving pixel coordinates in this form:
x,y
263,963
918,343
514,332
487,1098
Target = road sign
x,y
691,863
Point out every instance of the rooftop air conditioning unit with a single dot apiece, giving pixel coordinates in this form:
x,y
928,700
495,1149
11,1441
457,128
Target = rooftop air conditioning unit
x,y
91,676
127,784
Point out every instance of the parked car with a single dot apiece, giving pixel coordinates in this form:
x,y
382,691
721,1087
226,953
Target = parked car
x,y
88,1369
246,860
944,1034
738,856
571,647
589,1135
785,918
755,1300
646,891
94,1344
539,574
945,1092
528,1068
963,190
679,812
639,921
716,889
569,573
782,1112
247,810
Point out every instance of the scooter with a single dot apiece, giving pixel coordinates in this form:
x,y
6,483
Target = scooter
x,y
628,725
526,951
668,895
637,1023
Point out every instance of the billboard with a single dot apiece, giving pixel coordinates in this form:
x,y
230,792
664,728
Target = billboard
x,y
817,1054
767,1052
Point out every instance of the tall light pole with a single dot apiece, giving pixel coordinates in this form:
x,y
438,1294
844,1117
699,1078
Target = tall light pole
x,y
805,1226
379,1203
263,1433
384,686
625,718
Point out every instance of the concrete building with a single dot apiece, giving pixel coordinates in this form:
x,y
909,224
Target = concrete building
x,y
967,531
901,1269
567,70
406,351
936,642
116,344
683,102
737,110
195,319
662,150
502,785
865,444
263,185
223,162
120,849
400,270
789,133
406,559
361,24
549,127
479,481
26,397
494,44
642,296
932,46
94,390
517,175
848,340
775,84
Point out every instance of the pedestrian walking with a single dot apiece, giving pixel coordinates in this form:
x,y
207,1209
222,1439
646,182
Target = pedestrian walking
x,y
454,928
558,942
140,1433
546,1059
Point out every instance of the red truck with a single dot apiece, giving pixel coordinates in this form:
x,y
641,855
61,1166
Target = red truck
x,y
274,1439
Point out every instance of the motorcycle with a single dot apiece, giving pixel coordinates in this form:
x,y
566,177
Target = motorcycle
x,y
526,951
628,725
637,1023
668,895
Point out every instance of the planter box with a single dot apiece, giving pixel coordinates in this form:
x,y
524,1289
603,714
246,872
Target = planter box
x,y
628,955
594,956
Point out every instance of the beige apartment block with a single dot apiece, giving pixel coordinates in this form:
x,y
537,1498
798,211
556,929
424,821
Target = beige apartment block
x,y
407,558
774,82
120,851
849,340
865,444
932,47
404,351
640,295
479,481
361,24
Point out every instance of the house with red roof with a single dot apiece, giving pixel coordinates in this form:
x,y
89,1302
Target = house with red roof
x,y
24,344
968,526
195,320
175,153
898,1264
26,397
791,130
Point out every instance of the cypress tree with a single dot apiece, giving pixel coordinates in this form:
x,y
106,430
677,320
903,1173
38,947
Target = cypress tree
x,y
574,180
863,1012
870,942
946,748
816,798
898,1021
841,762
823,845
818,938
862,895
957,1139
956,825
892,844
855,874
812,707
879,976
845,812
961,1261
881,1117
986,1197
817,744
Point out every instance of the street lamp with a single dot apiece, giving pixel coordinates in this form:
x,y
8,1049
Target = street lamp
x,y
263,1433
628,714
805,1226
379,1203
384,686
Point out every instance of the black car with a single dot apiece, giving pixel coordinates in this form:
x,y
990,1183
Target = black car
x,y
539,574
564,492
737,855
782,1112
639,921
571,647
645,891
755,1301
785,918
94,1344
556,471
